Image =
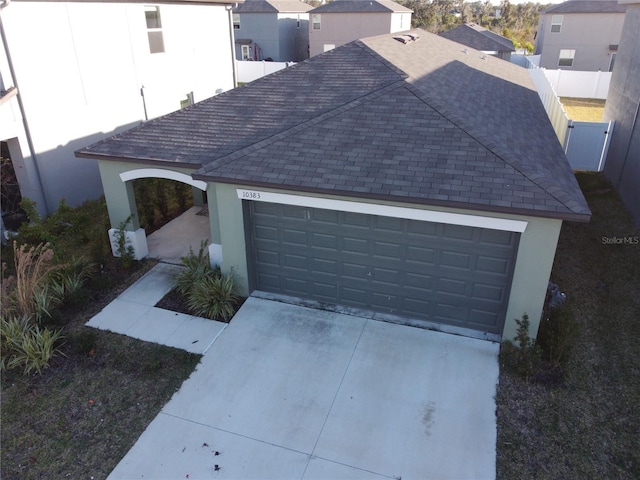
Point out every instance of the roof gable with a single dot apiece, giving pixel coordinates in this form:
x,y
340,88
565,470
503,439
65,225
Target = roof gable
x,y
272,6
587,6
361,6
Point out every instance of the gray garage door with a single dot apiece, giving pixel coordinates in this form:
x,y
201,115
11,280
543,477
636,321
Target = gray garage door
x,y
440,273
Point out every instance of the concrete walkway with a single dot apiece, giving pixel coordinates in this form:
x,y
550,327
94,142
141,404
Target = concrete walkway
x,y
288,392
133,313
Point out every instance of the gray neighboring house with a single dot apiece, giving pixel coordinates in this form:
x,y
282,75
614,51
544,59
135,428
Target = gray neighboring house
x,y
272,29
475,36
342,21
580,35
380,178
623,105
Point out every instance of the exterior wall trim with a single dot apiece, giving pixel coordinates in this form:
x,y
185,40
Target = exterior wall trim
x,y
385,210
161,173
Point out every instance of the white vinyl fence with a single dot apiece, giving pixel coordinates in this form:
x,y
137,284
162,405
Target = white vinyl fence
x,y
568,83
249,71
585,143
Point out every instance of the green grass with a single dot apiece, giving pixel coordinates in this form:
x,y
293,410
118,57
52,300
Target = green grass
x,y
81,416
583,109
587,426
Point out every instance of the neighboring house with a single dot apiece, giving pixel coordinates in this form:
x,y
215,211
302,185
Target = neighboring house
x,y
623,105
72,73
277,30
580,35
376,177
342,21
480,38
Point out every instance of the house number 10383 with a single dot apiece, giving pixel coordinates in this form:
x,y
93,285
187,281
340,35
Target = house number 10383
x,y
251,195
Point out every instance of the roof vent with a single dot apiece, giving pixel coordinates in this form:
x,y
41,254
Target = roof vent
x,y
484,57
466,51
408,38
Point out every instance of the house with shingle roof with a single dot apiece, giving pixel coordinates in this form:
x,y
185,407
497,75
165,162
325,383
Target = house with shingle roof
x,y
380,177
342,21
580,35
277,30
74,72
475,36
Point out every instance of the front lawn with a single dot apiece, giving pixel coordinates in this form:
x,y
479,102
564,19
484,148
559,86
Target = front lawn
x,y
83,413
587,424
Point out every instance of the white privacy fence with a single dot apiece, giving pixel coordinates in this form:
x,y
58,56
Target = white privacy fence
x,y
249,71
585,143
568,83
552,105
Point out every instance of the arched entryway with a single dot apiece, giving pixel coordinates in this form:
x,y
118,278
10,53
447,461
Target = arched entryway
x,y
173,240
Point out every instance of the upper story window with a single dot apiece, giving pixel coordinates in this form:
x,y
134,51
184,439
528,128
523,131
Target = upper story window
x,y
154,28
236,21
556,23
566,58
315,18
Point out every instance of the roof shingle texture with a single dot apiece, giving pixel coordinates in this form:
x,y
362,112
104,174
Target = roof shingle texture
x,y
422,123
360,6
588,6
479,38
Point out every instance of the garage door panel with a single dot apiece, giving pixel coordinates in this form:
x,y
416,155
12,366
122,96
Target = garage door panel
x,y
496,293
492,265
324,240
295,261
264,232
450,274
325,266
294,237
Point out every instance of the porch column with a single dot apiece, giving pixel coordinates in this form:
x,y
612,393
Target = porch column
x,y
121,204
215,245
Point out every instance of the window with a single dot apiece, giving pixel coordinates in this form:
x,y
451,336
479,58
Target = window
x,y
245,52
566,58
236,21
316,21
556,23
154,29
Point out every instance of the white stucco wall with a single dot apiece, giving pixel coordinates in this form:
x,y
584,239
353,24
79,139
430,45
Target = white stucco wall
x,y
80,67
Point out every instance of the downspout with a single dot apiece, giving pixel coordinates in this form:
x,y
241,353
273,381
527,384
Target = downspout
x,y
230,8
25,123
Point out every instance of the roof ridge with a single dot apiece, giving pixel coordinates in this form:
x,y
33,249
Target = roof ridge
x,y
302,126
494,148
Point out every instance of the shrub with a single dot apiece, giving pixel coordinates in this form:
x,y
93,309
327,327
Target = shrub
x,y
525,357
213,297
208,293
29,293
197,268
24,344
557,335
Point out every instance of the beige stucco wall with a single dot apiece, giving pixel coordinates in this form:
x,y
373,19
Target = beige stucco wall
x,y
340,28
589,34
531,276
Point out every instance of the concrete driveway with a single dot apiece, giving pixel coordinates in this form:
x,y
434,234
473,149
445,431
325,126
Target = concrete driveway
x,y
288,392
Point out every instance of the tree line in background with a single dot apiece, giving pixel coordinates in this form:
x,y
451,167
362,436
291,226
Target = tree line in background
x,y
516,22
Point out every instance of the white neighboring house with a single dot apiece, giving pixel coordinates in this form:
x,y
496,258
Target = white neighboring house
x,y
72,73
